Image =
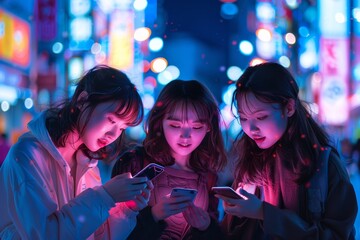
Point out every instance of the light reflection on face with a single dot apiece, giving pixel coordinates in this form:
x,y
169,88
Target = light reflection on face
x,y
103,128
265,123
183,132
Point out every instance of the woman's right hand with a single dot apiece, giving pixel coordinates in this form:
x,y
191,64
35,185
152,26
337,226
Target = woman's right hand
x,y
250,206
123,187
168,206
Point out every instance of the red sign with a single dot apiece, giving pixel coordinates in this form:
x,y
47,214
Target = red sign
x,y
46,20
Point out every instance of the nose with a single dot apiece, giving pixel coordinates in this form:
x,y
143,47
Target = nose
x,y
114,133
253,127
185,133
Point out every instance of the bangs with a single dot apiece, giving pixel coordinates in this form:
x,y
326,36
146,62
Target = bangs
x,y
246,106
243,103
184,106
131,111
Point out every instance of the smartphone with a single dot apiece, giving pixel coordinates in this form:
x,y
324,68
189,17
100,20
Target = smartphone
x,y
184,192
226,192
150,171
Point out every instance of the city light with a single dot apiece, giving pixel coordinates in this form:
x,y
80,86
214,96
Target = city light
x,y
158,64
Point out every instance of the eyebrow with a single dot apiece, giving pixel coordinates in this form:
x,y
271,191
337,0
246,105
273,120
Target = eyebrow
x,y
253,112
180,120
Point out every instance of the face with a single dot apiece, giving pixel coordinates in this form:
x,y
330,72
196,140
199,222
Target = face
x,y
183,134
265,123
103,127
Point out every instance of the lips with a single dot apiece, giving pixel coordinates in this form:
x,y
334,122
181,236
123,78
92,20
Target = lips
x,y
184,144
259,140
102,142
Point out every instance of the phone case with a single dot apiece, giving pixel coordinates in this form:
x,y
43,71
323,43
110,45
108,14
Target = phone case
x,y
184,192
226,192
150,171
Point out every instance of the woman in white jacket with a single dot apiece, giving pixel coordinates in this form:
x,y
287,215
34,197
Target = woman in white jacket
x,y
49,182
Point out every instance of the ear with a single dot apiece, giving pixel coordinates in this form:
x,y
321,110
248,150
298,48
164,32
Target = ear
x,y
290,107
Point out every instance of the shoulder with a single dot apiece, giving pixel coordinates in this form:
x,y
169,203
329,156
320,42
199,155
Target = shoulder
x,y
337,166
27,147
25,160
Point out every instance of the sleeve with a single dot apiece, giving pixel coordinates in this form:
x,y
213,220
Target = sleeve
x,y
334,224
146,227
119,225
36,215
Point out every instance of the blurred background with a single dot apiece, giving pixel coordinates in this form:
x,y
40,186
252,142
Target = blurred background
x,y
46,45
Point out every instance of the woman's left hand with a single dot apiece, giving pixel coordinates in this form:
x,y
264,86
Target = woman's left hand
x,y
250,206
141,200
197,217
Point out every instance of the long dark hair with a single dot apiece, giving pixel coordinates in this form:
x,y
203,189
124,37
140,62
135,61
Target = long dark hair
x,y
302,142
210,154
102,84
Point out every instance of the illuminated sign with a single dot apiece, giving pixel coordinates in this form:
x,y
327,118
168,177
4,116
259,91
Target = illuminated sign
x,y
334,106
14,39
334,62
121,40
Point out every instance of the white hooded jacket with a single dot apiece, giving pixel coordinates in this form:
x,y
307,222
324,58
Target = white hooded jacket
x,y
38,193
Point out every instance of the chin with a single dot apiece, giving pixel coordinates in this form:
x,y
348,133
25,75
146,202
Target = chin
x,y
93,148
265,146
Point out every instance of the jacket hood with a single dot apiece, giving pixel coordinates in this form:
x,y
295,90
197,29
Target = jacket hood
x,y
38,129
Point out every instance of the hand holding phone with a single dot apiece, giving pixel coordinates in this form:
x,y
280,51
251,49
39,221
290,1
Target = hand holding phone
x,y
175,192
150,171
170,204
226,192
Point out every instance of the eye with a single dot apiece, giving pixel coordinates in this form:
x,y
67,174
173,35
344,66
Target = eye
x,y
174,125
111,120
197,127
243,119
262,117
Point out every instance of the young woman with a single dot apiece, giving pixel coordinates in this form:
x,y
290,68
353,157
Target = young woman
x,y
183,134
279,149
50,184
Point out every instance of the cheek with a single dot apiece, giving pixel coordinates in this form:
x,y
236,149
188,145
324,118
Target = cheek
x,y
278,127
168,133
199,136
245,127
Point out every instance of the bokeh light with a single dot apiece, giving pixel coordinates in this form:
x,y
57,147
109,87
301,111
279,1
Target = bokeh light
x,y
246,47
158,64
57,47
290,38
28,103
264,34
156,44
5,106
140,5
233,73
142,34
285,61
228,10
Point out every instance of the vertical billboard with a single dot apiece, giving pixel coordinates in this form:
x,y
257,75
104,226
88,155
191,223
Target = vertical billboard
x,y
46,20
121,39
14,40
334,62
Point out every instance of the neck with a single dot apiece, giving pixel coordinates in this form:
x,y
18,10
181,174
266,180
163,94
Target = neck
x,y
181,163
71,146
